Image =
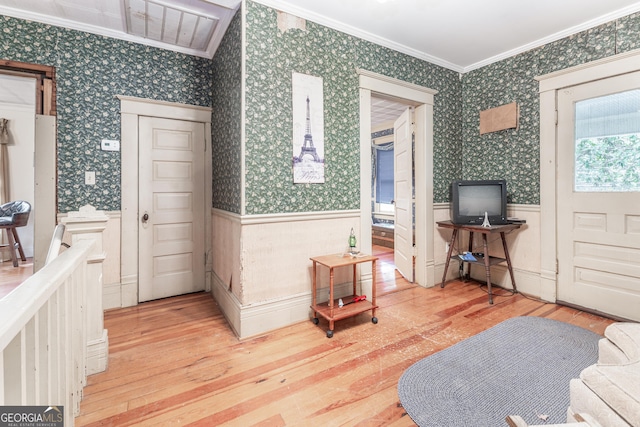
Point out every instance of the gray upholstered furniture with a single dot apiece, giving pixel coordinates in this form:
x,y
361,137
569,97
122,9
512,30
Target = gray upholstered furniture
x,y
609,391
579,420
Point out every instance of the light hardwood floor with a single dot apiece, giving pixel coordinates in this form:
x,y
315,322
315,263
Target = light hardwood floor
x,y
387,277
11,277
176,362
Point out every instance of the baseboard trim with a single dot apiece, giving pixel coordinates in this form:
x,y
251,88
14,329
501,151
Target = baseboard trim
x,y
256,319
111,296
527,282
98,354
228,303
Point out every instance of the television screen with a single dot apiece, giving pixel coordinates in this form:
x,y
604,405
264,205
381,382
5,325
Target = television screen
x,y
470,200
475,200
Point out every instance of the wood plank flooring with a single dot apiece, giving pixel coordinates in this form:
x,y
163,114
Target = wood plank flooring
x,y
176,362
11,277
388,279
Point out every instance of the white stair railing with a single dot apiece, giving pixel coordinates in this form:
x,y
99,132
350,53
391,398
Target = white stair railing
x,y
43,336
51,333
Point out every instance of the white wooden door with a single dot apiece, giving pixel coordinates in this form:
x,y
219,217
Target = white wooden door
x,y
598,213
171,195
45,188
403,195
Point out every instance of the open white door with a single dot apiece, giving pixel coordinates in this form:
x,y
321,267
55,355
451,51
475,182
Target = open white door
x,y
403,194
171,208
45,188
598,196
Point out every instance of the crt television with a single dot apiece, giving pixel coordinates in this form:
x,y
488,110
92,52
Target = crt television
x,y
471,199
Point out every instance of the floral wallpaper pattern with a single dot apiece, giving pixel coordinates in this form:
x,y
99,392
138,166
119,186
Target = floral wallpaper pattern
x,y
459,150
514,154
272,56
90,71
226,119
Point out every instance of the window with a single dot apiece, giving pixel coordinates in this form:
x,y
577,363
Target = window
x,y
607,150
384,180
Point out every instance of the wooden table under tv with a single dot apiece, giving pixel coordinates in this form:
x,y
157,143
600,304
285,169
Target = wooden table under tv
x,y
484,258
330,310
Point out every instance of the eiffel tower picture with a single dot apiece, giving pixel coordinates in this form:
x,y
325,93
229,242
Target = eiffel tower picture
x,y
308,162
307,146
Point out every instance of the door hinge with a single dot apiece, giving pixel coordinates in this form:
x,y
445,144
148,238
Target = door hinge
x,y
556,266
556,118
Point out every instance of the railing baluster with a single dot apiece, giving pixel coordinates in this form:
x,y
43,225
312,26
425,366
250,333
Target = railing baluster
x,y
48,327
43,335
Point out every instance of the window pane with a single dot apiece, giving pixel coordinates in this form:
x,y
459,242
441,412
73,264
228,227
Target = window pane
x,y
384,177
607,150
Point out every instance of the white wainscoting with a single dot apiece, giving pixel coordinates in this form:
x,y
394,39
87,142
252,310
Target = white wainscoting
x,y
524,250
262,273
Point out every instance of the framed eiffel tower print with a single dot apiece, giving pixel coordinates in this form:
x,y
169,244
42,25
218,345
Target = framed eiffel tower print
x,y
308,129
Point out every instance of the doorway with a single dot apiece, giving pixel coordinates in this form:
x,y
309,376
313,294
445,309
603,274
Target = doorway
x,y
171,204
599,195
393,189
567,276
133,110
375,86
27,97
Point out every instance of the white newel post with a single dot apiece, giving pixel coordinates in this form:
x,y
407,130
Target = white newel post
x,y
89,224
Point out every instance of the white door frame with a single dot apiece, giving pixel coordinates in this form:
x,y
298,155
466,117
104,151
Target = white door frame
x,y
423,97
130,109
550,84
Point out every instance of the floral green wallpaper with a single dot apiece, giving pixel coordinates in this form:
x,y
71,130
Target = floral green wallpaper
x,y
272,57
90,71
459,150
514,154
227,119
447,109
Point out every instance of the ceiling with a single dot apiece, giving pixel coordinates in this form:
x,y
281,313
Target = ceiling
x,y
457,34
194,27
385,111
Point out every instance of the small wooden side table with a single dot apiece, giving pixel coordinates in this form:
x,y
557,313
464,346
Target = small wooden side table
x,y
330,310
483,259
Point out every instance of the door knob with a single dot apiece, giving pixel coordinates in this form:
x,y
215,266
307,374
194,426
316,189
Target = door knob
x,y
145,217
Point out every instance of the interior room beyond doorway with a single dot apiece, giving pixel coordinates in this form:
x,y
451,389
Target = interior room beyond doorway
x,y
384,112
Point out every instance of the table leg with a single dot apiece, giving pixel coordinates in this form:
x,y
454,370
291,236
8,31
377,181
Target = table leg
x,y
373,290
506,256
313,291
331,298
454,234
354,280
487,265
466,275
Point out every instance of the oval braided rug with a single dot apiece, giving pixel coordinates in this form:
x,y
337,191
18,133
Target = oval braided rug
x,y
521,366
